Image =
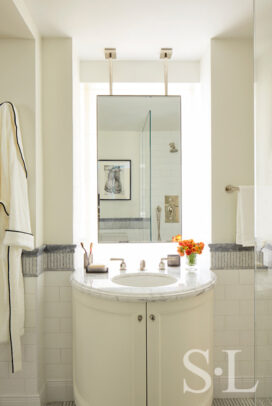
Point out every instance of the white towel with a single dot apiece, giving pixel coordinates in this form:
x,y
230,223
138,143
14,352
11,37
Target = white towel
x,y
245,216
15,231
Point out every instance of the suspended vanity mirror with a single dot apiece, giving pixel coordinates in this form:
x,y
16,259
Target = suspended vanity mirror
x,y
139,168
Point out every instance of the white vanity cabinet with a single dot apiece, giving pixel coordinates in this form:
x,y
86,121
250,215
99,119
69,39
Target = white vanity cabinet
x,y
109,352
131,353
173,329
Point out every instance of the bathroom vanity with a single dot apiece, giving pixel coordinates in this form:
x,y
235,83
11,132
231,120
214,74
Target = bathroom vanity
x,y
131,331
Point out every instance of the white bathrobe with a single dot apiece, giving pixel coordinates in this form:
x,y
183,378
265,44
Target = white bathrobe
x,y
15,231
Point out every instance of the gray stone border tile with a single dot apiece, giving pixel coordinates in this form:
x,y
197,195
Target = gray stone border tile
x,y
48,258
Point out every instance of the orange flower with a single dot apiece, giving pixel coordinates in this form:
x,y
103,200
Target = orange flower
x,y
176,238
188,247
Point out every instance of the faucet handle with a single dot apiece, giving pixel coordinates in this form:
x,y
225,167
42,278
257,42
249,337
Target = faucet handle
x,y
123,265
162,264
142,265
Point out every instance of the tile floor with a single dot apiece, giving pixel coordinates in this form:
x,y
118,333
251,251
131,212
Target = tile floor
x,y
233,402
242,402
216,402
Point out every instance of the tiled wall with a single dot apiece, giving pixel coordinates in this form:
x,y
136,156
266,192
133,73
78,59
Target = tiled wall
x,y
28,384
58,335
35,383
124,235
263,338
164,180
47,344
234,327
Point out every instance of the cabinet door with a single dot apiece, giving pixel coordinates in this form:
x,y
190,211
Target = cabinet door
x,y
173,328
109,352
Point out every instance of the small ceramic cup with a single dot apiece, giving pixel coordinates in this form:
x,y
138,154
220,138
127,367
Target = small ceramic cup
x,y
88,260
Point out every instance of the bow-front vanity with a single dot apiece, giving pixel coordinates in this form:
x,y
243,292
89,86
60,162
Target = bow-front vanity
x,y
141,338
132,334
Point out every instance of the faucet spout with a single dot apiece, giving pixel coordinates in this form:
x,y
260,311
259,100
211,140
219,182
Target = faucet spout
x,y
142,265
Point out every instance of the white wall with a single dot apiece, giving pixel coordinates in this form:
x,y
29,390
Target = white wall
x,y
17,85
77,166
57,111
39,144
232,130
139,71
204,186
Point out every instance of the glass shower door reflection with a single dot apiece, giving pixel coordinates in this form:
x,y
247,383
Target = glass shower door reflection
x,y
145,180
263,200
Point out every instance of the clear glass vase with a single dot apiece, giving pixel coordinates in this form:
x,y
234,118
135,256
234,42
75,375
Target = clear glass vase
x,y
191,262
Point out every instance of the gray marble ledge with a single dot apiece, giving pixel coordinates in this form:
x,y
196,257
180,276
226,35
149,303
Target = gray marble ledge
x,y
49,248
187,284
34,253
228,247
60,248
120,219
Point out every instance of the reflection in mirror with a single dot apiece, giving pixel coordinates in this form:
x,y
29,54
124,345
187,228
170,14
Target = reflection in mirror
x,y
139,168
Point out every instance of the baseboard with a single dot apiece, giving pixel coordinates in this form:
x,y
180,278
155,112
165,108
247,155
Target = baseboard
x,y
53,391
21,400
59,390
43,395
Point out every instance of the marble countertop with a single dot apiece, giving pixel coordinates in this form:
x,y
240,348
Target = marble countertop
x,y
101,285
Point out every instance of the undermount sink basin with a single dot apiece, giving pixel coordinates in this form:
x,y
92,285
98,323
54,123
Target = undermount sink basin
x,y
144,280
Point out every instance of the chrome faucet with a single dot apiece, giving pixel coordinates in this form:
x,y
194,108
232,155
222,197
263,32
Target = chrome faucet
x,y
162,264
123,265
142,265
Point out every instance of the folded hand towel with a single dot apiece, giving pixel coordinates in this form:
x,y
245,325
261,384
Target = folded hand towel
x,y
245,216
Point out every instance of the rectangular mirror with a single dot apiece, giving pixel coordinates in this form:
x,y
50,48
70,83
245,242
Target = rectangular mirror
x,y
139,168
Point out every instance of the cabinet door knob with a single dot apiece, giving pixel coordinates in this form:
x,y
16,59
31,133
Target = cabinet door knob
x,y
152,317
140,317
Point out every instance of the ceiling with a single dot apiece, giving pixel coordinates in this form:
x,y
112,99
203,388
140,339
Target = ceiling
x,y
139,28
129,113
11,23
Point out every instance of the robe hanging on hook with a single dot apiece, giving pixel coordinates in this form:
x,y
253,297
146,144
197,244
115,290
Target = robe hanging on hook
x,y
166,53
110,54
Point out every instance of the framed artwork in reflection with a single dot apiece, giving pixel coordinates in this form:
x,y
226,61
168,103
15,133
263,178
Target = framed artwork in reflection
x,y
114,179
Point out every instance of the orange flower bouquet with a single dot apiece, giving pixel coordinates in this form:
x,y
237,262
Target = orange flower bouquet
x,y
189,248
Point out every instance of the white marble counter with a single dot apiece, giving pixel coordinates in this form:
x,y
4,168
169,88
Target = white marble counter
x,y
187,284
